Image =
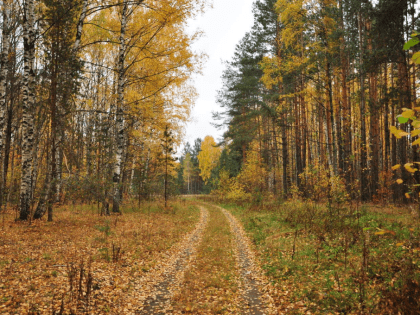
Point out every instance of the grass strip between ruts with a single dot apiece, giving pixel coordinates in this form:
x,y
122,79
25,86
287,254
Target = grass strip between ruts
x,y
211,283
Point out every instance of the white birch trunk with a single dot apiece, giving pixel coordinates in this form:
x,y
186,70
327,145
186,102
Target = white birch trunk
x,y
28,108
120,107
3,72
80,26
3,85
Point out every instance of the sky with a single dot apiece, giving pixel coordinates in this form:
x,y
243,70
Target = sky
x,y
223,25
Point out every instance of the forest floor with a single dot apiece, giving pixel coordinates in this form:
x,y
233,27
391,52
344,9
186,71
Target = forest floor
x,y
189,259
199,258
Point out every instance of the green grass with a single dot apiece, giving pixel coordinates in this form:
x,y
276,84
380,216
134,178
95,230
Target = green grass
x,y
342,259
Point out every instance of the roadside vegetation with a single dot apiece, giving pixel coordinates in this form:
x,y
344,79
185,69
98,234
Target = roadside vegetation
x,y
337,258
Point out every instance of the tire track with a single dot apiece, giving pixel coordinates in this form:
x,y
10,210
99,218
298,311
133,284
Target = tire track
x,y
167,278
256,301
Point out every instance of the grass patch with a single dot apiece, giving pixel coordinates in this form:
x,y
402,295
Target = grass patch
x,y
211,283
87,261
341,259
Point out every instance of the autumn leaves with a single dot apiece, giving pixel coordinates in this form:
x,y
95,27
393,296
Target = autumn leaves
x,y
220,278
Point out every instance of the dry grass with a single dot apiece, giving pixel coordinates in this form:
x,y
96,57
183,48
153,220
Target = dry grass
x,y
82,262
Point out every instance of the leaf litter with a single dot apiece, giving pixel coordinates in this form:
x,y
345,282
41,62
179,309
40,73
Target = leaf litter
x,y
86,264
255,286
169,276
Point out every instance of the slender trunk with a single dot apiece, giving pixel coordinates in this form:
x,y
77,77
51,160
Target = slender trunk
x,y
145,175
276,158
332,148
8,143
304,126
120,110
285,154
299,168
166,179
59,164
346,107
133,171
3,86
374,123
387,135
28,109
405,102
79,27
53,111
363,152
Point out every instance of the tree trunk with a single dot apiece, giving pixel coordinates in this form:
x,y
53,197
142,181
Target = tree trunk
x,y
79,27
346,107
3,86
332,148
285,154
374,124
386,165
120,111
28,109
363,153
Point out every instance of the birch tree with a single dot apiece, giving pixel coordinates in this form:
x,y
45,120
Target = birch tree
x,y
29,37
3,86
119,137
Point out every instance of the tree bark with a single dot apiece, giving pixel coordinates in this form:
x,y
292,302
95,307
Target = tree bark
x,y
120,110
363,153
28,108
3,86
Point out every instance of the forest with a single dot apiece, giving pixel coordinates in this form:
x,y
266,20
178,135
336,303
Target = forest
x,y
323,93
94,97
308,203
321,98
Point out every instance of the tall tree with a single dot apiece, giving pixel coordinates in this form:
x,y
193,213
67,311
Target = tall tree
x,y
29,38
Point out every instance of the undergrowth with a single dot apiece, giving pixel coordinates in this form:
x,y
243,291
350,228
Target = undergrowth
x,y
347,259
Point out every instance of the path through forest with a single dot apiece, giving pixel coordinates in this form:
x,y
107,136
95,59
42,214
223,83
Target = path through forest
x,y
214,270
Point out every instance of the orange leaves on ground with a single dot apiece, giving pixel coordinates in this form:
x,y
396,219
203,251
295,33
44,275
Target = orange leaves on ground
x,y
41,263
211,284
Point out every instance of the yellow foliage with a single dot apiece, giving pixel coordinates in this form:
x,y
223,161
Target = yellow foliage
x,y
208,157
231,188
409,168
236,192
317,184
416,142
408,113
253,175
271,67
158,63
397,132
395,167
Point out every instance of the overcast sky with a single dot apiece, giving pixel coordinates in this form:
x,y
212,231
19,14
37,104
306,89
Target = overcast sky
x,y
224,25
